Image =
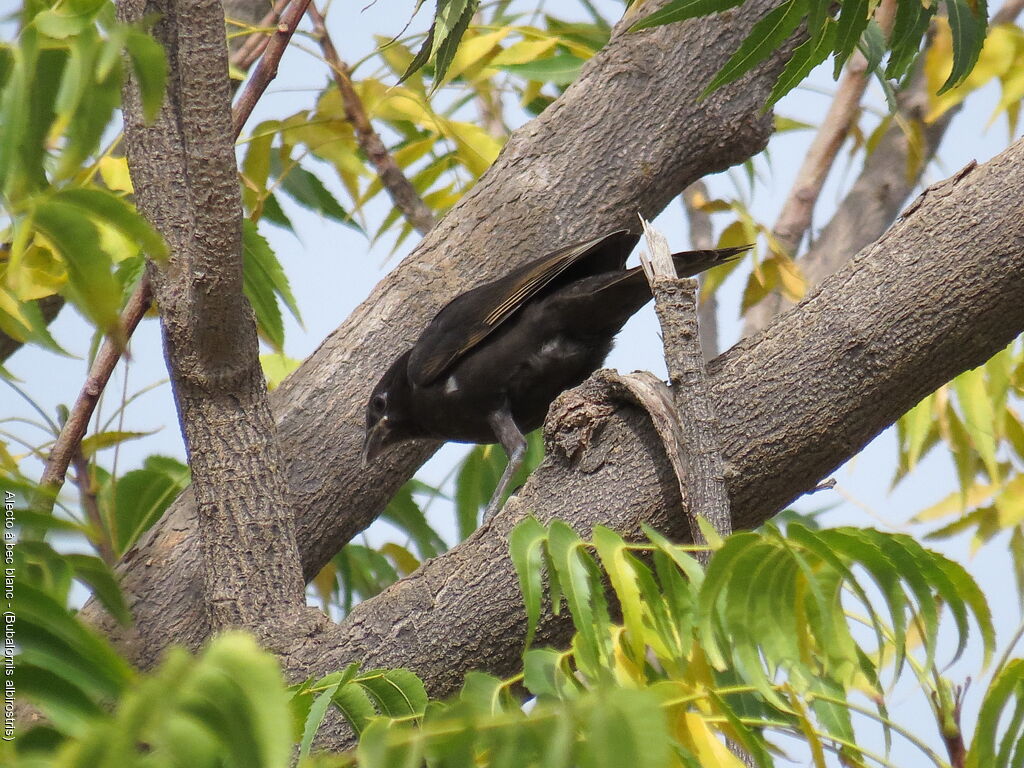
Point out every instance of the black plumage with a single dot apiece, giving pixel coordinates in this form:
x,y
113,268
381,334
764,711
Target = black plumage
x,y
493,359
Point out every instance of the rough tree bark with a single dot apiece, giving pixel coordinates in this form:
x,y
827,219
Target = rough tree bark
x,y
940,293
184,173
243,11
579,168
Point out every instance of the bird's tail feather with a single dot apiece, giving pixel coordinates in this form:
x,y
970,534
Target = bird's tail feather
x,y
690,263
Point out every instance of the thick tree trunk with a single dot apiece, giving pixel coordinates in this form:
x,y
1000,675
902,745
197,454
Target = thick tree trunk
x,y
186,181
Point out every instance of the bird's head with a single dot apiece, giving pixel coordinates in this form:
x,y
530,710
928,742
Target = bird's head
x,y
389,412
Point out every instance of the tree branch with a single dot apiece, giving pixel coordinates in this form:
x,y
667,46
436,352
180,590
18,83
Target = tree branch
x,y
246,53
186,184
402,193
266,70
569,173
794,403
67,443
890,174
87,494
698,459
106,360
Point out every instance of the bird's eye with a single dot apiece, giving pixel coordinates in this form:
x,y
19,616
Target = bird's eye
x,y
378,403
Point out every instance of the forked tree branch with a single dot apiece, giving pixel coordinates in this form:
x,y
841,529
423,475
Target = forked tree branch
x,y
266,70
794,402
567,174
246,11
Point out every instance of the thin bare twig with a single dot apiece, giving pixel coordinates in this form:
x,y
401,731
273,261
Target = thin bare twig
x,y
879,192
67,443
83,479
400,189
256,42
266,70
71,435
798,208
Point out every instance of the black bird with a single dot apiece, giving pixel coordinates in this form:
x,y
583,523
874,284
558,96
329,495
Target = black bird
x,y
494,358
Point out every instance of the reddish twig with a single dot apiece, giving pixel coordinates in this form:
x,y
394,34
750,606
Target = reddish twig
x,y
66,445
256,42
266,70
399,188
83,479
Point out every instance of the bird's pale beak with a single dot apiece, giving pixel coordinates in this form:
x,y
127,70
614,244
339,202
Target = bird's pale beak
x,y
376,440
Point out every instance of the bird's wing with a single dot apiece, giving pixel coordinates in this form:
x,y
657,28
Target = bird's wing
x,y
472,316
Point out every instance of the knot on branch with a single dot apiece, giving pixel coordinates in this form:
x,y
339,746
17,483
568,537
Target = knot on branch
x,y
576,418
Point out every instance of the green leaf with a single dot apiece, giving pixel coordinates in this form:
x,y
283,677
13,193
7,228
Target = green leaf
x,y
395,692
355,706
273,213
557,70
525,544
872,45
474,484
853,20
979,417
263,281
453,18
58,24
422,55
619,566
567,557
277,366
403,512
118,213
541,672
63,701
237,695
968,21
315,718
91,284
626,727
917,424
307,190
806,57
87,100
53,640
1008,685
909,26
680,10
141,497
100,578
766,36
150,65
101,440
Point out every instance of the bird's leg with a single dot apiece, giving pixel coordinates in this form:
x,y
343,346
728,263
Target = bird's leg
x,y
514,443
